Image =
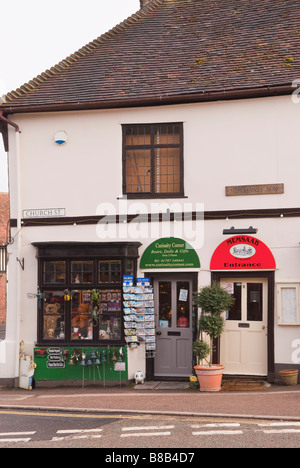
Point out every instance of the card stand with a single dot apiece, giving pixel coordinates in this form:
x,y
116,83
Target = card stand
x,y
139,324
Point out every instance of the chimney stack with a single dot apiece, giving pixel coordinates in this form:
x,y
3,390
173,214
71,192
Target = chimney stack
x,y
144,3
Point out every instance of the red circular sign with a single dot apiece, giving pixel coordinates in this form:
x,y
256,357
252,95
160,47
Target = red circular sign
x,y
183,322
242,253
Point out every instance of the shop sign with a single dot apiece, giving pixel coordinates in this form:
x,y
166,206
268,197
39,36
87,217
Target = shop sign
x,y
242,253
120,366
44,213
169,252
55,358
265,189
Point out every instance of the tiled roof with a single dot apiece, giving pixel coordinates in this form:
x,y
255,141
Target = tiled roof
x,y
175,48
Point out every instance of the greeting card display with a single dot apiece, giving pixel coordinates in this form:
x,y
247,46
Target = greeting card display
x,y
139,326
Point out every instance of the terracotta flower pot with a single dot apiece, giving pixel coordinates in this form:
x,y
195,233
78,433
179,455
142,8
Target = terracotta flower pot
x,y
210,377
289,376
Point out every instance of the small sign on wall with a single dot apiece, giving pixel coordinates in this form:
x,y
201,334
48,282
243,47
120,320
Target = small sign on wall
x,y
265,189
229,288
44,213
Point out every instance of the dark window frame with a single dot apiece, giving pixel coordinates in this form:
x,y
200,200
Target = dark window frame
x,y
152,147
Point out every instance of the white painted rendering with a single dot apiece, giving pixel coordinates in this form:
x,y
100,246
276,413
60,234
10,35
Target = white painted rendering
x,y
225,143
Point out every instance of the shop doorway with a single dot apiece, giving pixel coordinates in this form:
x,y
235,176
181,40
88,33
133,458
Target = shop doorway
x,y
244,343
174,328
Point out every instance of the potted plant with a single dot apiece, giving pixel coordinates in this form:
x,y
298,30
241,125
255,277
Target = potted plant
x,y
289,376
213,300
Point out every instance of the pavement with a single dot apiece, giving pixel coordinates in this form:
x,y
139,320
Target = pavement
x,y
271,402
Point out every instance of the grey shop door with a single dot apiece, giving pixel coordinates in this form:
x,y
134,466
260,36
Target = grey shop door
x,y
173,321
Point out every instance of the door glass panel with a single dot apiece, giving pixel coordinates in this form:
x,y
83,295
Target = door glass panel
x,y
165,304
254,302
183,304
235,312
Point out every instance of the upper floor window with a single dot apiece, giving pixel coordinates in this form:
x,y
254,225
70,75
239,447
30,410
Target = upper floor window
x,y
153,160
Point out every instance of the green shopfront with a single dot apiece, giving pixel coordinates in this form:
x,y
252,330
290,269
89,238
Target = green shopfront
x,y
80,311
94,328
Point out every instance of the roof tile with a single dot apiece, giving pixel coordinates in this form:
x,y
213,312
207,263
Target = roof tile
x,y
176,48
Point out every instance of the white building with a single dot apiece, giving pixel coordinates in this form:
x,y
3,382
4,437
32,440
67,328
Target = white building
x,y
165,149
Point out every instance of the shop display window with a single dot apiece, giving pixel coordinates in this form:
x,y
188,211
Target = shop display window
x,y
80,292
110,326
54,272
81,315
53,314
70,311
109,271
82,272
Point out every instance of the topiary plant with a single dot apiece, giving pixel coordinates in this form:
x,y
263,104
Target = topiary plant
x,y
213,300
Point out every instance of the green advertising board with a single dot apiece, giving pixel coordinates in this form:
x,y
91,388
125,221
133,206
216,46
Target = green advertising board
x,y
169,252
85,364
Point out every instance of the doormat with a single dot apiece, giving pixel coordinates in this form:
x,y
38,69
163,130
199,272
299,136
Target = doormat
x,y
244,386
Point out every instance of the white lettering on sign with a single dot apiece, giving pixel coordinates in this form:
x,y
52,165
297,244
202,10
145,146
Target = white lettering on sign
x,y
44,213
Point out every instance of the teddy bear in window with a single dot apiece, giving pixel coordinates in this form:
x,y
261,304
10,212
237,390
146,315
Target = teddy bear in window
x,y
80,322
51,317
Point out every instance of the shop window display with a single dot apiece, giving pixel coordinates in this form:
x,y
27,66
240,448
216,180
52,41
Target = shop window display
x,y
54,272
81,316
82,272
110,314
71,314
79,291
110,271
54,315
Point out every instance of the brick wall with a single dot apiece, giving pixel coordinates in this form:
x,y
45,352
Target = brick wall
x,y
4,217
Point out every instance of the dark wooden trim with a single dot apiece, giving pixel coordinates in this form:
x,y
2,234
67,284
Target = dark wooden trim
x,y
161,217
270,275
87,250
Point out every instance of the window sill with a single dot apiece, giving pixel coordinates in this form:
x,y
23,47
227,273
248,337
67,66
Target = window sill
x,y
146,196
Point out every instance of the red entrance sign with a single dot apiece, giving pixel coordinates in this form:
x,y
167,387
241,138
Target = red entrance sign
x,y
242,253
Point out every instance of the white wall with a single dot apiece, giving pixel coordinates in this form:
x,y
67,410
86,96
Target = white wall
x,y
225,143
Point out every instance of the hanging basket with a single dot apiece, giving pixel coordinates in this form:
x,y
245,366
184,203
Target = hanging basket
x,y
289,376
